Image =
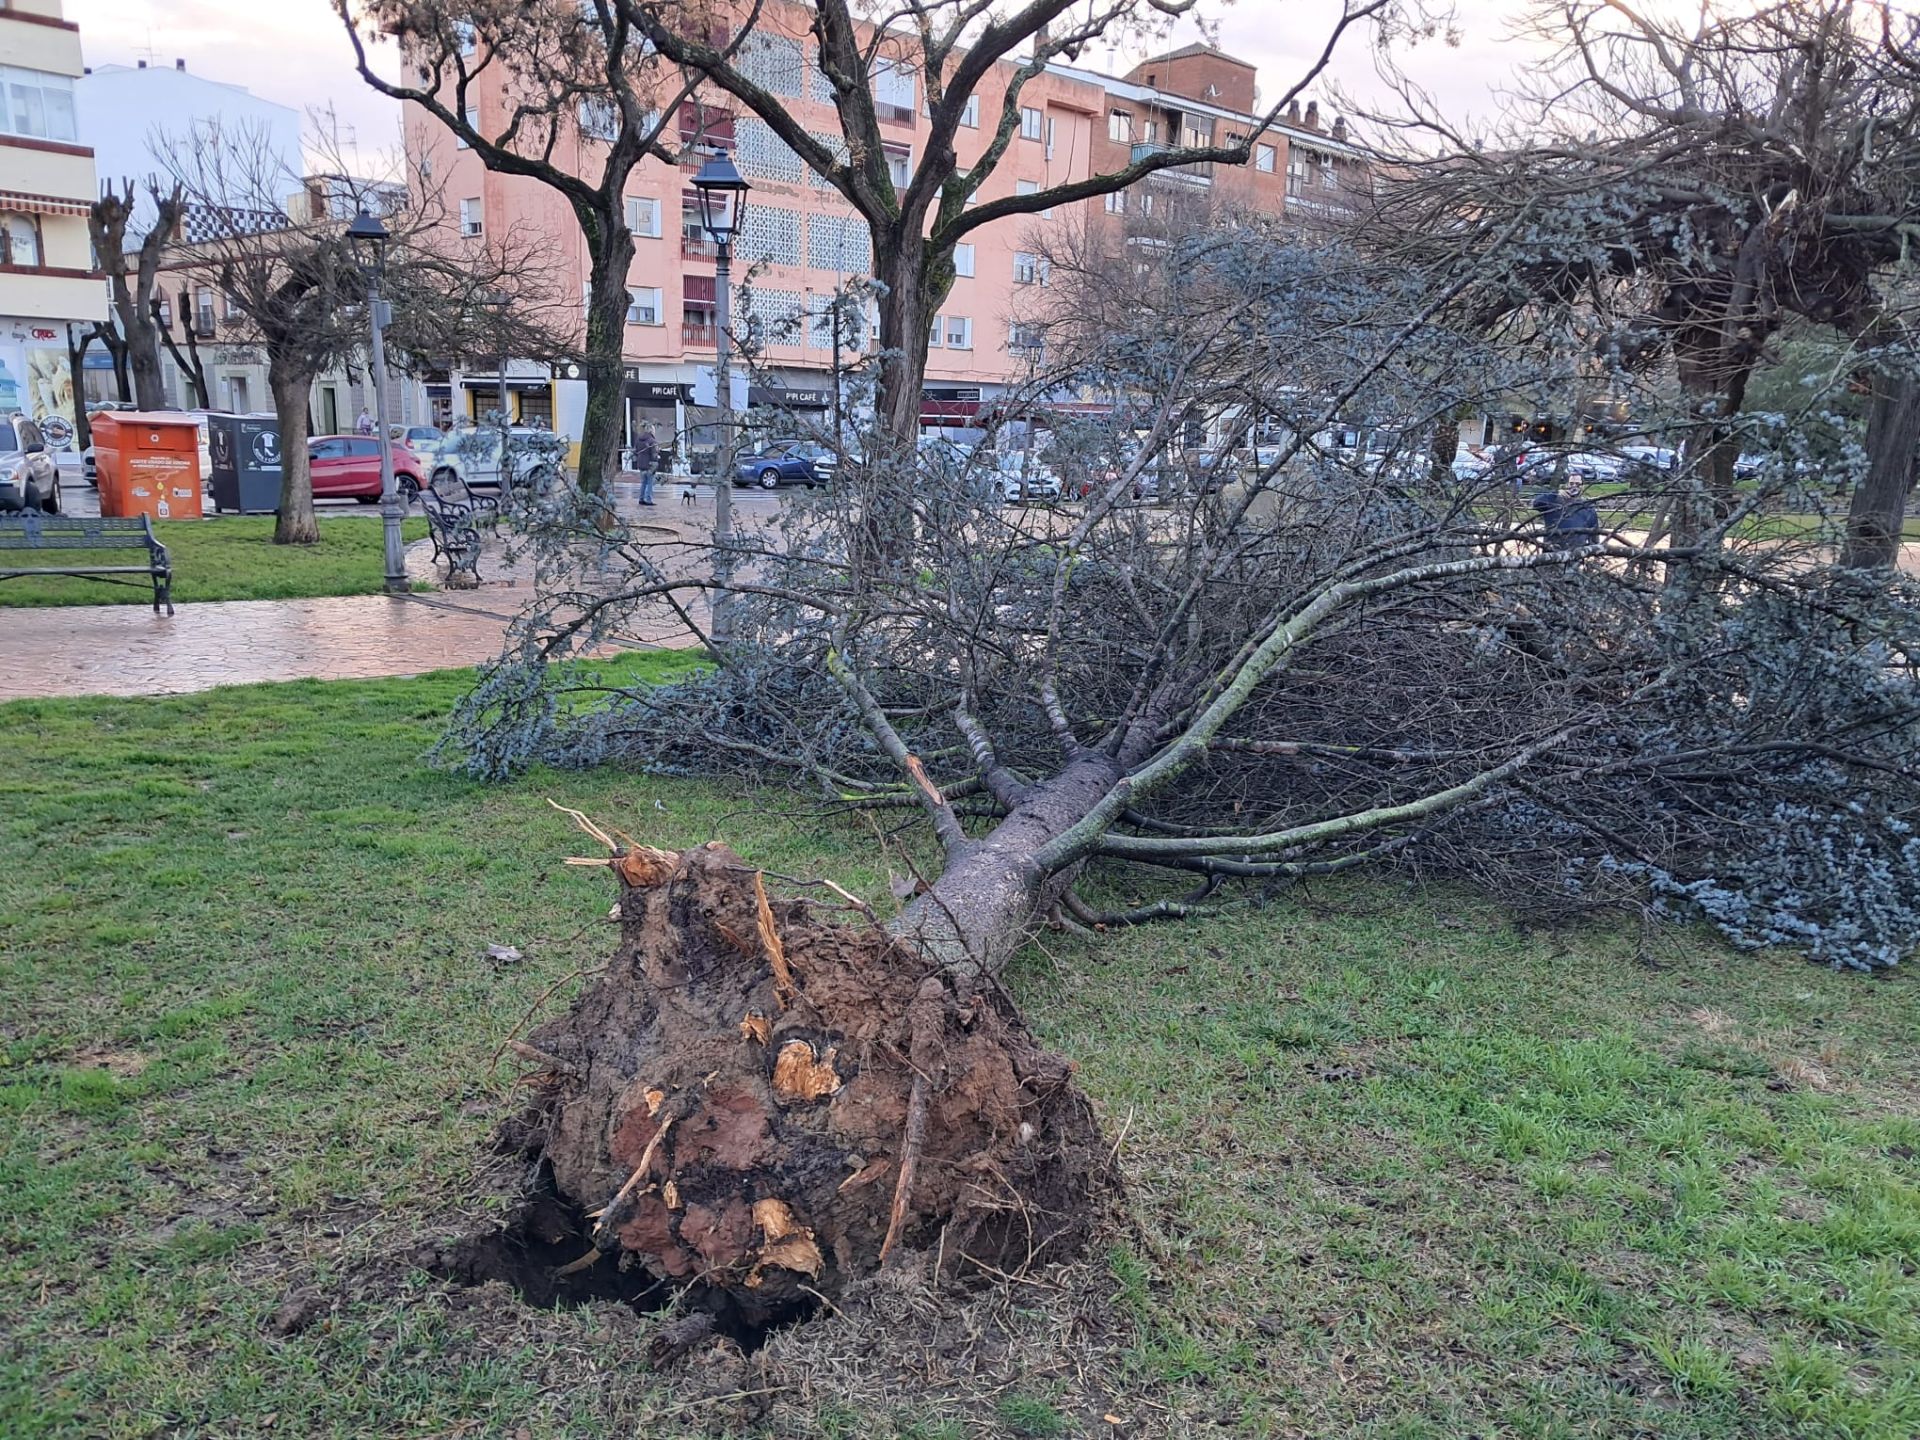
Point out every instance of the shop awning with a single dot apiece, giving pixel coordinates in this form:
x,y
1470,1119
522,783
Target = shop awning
x,y
41,204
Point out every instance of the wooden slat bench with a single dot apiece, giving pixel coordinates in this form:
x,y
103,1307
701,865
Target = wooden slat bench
x,y
37,532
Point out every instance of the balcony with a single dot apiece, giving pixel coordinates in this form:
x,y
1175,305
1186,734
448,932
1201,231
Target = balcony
x,y
697,245
706,337
1200,173
897,114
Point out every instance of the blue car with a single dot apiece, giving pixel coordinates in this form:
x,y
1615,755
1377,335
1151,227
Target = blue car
x,y
783,465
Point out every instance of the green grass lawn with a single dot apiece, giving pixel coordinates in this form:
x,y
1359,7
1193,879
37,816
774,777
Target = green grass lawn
x,y
230,557
1398,1169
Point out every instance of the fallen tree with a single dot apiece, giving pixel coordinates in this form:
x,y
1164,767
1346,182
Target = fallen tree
x,y
1334,660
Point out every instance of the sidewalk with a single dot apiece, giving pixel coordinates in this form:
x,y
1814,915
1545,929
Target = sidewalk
x,y
128,650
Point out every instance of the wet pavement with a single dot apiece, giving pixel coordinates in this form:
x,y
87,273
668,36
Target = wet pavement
x,y
128,650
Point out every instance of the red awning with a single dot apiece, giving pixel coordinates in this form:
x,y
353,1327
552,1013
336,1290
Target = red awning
x,y
947,412
41,204
697,289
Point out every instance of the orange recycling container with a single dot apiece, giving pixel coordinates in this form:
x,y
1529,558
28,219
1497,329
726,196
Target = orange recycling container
x,y
148,463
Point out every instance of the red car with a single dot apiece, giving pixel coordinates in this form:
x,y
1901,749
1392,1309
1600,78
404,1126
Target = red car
x,y
348,467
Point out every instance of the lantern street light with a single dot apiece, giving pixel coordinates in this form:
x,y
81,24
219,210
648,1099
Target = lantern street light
x,y
368,239
498,302
723,197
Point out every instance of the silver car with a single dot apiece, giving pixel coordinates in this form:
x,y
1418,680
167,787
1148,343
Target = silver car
x,y
29,479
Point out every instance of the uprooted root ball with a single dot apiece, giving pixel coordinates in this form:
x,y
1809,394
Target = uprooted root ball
x,y
763,1104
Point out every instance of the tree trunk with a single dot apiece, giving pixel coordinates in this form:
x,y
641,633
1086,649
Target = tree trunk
x,y
602,428
77,358
1880,503
1443,448
978,912
143,356
291,388
908,303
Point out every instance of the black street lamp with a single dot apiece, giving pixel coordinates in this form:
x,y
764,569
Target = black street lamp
x,y
723,198
368,239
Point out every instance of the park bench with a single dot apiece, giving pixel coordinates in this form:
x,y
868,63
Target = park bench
x,y
455,518
35,531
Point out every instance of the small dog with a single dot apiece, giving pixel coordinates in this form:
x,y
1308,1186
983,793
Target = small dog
x,y
686,495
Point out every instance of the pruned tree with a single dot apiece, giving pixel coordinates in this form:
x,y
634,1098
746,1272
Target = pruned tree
x,y
1114,713
1688,182
132,276
584,102
281,257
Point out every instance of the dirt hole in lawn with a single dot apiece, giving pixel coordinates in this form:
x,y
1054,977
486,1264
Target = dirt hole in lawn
x,y
548,1233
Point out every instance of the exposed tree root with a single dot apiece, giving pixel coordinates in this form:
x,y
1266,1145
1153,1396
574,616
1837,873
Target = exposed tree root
x,y
730,1093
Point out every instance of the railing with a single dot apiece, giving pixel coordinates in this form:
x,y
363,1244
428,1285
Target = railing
x,y
697,245
1198,173
897,114
705,335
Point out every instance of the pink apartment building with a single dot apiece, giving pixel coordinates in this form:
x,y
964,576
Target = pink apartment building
x,y
807,244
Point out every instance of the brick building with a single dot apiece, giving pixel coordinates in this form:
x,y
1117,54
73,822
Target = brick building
x,y
807,244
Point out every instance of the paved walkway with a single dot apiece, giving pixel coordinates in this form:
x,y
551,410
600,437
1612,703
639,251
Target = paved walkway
x,y
128,650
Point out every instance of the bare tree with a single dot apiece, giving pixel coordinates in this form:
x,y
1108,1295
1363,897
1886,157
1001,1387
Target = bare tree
x,y
295,290
566,71
193,370
132,286
965,60
1690,182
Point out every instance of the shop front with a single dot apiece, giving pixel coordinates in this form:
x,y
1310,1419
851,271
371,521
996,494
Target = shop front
x,y
36,377
655,403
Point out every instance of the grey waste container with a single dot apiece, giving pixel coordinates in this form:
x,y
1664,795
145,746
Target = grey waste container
x,y
245,455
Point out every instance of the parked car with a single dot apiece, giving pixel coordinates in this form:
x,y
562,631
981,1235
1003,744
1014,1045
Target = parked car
x,y
421,439
1594,465
773,467
1651,457
471,455
1022,475
348,467
27,470
824,458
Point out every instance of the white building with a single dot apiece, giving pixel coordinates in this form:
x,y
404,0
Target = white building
x,y
132,114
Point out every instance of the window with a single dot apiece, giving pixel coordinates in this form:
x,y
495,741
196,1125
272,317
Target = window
x,y
963,260
363,449
893,91
1299,164
1120,126
1029,269
36,104
970,113
959,332
643,306
229,305
1030,187
643,216
1150,132
599,119
933,335
1031,127
1146,203
1328,180
470,217
203,312
899,164
1116,202
328,449
466,37
1263,159
1024,337
19,239
472,118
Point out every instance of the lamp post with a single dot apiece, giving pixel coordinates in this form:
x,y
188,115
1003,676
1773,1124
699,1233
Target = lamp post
x,y
723,196
497,302
368,238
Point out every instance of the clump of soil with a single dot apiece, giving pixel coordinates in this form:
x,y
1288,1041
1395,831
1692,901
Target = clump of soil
x,y
763,1105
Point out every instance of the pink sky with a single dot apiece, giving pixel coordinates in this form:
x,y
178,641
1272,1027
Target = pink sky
x,y
296,53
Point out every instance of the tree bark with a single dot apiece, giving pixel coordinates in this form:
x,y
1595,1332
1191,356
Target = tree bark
x,y
291,388
975,916
1879,504
912,294
601,430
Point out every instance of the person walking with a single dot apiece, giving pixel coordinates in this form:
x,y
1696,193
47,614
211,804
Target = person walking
x,y
646,459
1572,521
364,425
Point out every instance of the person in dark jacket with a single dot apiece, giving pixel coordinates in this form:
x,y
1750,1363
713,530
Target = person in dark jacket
x,y
1571,520
646,459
